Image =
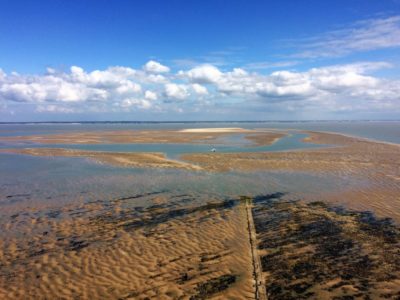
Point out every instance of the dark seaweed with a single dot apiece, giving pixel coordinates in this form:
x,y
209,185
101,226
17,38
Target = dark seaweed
x,y
139,196
18,195
213,286
312,244
53,214
161,217
76,245
268,197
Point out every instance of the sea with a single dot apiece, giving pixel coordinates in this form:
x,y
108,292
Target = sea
x,y
48,182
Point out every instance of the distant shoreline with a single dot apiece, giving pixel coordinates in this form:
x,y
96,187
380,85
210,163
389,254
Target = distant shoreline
x,y
193,122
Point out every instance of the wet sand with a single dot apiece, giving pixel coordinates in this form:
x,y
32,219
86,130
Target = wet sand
x,y
347,155
140,160
377,164
168,250
188,136
316,251
273,246
172,249
120,159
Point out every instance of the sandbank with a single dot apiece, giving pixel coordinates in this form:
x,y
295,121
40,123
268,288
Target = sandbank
x,y
227,129
121,159
212,135
377,164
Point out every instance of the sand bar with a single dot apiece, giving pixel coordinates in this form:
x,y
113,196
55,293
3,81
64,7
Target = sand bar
x,y
375,163
191,136
121,159
227,129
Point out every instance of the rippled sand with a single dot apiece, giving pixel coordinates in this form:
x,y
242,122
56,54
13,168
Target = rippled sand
x,y
169,245
176,249
103,250
315,251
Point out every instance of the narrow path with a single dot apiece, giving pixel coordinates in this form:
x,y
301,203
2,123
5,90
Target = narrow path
x,y
260,292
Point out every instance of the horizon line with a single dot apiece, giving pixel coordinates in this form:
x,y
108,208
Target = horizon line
x,y
201,121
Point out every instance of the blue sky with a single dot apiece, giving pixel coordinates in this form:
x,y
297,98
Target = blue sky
x,y
199,60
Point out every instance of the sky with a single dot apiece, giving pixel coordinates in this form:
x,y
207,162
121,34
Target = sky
x,y
203,60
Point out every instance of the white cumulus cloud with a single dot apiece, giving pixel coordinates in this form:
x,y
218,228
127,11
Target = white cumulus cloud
x,y
176,91
137,103
203,74
155,67
149,95
199,89
348,87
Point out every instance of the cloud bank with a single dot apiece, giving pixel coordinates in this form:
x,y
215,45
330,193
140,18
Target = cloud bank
x,y
349,87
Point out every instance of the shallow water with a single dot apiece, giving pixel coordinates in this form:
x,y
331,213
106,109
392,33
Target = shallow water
x,y
29,181
234,143
387,131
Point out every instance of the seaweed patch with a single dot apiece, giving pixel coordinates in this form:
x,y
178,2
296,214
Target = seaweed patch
x,y
312,249
213,286
158,217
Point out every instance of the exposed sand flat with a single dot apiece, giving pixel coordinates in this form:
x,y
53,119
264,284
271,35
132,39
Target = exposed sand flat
x,y
227,129
349,156
138,159
142,136
120,253
377,163
141,160
265,138
112,249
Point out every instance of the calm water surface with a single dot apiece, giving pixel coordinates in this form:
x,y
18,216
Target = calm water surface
x,y
388,131
27,181
234,143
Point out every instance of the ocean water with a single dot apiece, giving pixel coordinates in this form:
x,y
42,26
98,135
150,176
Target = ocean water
x,y
235,143
30,182
26,181
387,131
